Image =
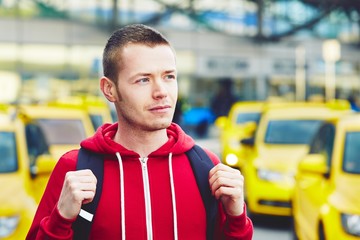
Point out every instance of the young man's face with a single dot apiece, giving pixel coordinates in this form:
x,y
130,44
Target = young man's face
x,y
147,87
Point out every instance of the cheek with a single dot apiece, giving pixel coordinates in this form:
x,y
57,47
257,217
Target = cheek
x,y
129,101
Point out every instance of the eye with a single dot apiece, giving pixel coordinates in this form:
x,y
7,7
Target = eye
x,y
142,80
170,77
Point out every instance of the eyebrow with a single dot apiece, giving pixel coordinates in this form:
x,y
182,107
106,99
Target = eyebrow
x,y
149,74
171,71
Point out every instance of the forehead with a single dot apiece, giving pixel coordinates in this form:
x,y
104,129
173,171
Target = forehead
x,y
141,57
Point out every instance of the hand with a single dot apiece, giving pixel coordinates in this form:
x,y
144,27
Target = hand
x,y
78,188
227,184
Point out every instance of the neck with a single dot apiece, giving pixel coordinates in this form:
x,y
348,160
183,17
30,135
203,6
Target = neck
x,y
141,141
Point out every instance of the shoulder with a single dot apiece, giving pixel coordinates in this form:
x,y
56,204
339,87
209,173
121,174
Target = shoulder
x,y
67,161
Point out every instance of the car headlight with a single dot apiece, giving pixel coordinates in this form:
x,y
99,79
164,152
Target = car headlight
x,y
231,159
8,225
351,224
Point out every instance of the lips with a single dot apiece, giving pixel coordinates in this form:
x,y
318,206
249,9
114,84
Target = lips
x,y
162,108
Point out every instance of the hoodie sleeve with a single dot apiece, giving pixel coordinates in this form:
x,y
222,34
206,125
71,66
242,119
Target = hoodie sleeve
x,y
231,227
48,223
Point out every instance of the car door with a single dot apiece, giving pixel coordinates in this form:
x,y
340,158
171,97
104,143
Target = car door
x,y
37,146
311,188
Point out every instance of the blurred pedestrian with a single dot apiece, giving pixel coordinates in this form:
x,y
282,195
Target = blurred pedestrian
x,y
224,98
149,190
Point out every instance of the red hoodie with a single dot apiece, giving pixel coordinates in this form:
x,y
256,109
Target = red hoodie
x,y
107,224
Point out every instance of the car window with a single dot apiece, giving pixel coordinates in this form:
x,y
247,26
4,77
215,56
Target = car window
x,y
63,131
36,142
323,142
247,117
8,154
291,131
351,158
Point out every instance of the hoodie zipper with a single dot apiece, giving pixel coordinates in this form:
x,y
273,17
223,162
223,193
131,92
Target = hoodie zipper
x,y
145,175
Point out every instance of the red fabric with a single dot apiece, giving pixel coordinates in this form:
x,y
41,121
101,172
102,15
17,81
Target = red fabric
x,y
191,216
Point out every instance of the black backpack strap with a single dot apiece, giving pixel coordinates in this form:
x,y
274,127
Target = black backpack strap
x,y
201,165
94,162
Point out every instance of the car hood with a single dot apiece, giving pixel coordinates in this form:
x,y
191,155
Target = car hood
x,y
282,158
13,197
346,194
57,151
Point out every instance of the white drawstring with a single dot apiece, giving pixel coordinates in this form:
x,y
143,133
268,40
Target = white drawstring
x,y
122,198
173,197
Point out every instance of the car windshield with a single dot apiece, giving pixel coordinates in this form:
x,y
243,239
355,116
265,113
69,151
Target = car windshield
x,y
247,117
63,131
8,155
351,162
291,131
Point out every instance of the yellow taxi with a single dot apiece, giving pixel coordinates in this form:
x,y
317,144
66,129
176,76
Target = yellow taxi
x,y
282,137
97,108
326,199
240,123
25,166
63,127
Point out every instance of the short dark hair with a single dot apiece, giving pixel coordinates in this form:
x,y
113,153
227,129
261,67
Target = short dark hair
x,y
130,34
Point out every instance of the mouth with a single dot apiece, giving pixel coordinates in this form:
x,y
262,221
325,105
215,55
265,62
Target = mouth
x,y
160,109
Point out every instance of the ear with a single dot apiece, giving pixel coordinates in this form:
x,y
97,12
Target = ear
x,y
108,88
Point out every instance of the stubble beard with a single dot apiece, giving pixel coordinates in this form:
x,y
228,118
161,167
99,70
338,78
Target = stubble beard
x,y
146,125
128,119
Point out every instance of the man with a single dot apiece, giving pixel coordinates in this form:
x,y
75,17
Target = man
x,y
149,189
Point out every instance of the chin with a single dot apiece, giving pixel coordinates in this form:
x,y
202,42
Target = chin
x,y
161,125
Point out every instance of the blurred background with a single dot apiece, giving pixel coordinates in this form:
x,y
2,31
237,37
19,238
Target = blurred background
x,y
265,48
227,51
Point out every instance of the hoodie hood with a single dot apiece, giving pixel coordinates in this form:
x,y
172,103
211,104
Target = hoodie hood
x,y
102,142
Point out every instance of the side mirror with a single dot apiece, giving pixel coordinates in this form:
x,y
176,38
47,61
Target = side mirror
x,y
250,142
221,122
44,165
314,163
249,128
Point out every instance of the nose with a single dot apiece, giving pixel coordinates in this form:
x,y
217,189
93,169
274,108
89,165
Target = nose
x,y
159,89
